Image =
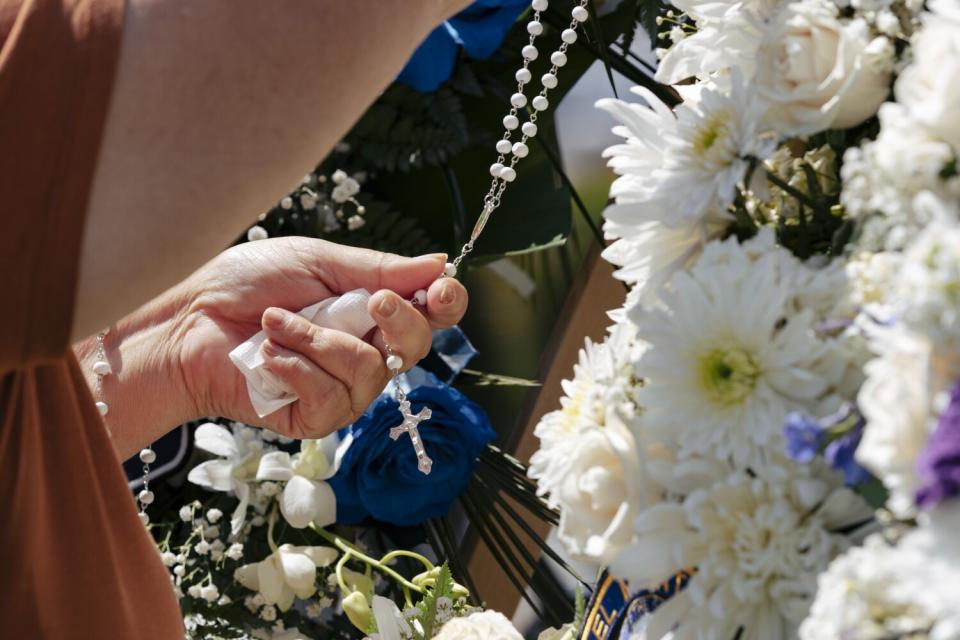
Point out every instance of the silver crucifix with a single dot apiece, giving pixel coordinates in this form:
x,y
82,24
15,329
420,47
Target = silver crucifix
x,y
410,422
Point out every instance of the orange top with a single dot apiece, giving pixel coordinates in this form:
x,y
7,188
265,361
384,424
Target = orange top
x,y
75,562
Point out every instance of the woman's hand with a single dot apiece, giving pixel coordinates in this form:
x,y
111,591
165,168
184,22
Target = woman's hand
x,y
336,376
170,358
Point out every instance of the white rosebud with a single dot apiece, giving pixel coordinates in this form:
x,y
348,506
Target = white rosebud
x,y
256,232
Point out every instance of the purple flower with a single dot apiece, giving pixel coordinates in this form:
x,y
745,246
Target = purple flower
x,y
804,437
839,454
939,463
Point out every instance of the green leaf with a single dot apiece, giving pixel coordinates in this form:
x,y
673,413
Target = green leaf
x,y
579,608
443,588
482,379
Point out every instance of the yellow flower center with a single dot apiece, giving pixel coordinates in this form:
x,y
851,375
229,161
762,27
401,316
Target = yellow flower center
x,y
728,376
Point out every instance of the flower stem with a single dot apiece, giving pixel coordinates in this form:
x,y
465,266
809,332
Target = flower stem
x,y
271,520
407,554
353,552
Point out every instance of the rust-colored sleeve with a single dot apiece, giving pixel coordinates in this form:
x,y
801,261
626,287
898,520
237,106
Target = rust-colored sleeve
x,y
57,63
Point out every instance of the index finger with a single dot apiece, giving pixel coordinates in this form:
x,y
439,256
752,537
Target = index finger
x,y
447,301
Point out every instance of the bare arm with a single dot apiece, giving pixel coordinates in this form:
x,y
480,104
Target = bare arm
x,y
219,107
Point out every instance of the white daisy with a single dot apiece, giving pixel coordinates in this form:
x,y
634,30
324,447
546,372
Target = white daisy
x,y
757,542
730,354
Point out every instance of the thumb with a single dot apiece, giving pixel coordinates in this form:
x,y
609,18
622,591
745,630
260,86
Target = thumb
x,y
348,268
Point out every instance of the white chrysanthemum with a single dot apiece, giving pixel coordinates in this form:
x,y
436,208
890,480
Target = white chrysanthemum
x,y
728,35
678,173
603,380
729,353
865,594
885,176
879,591
757,542
896,401
928,285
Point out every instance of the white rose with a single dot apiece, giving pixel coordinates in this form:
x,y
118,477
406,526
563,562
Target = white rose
x,y
598,484
485,625
811,69
929,86
566,632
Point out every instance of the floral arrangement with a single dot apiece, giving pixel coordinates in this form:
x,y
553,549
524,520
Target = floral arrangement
x,y
776,410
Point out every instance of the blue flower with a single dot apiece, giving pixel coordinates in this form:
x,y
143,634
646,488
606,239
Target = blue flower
x,y
839,455
378,477
804,437
479,29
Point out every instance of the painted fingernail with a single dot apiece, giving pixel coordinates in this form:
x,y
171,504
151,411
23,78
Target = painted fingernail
x,y
387,306
273,318
448,293
439,257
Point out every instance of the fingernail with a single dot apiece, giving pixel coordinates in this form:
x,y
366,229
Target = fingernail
x,y
387,306
448,293
273,318
269,349
439,257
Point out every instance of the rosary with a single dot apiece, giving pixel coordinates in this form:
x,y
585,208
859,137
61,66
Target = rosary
x,y
348,312
503,173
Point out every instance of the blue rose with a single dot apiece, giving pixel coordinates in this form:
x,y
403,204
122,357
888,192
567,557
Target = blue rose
x,y
378,477
479,29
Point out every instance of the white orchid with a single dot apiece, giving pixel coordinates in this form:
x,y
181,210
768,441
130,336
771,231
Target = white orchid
x,y
287,572
240,452
306,496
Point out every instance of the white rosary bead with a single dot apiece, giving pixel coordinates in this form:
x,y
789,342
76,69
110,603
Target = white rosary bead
x,y
450,270
534,28
523,76
558,58
518,100
529,129
508,174
146,496
102,407
539,5
580,13
144,518
511,122
540,103
495,169
520,150
569,36
148,456
529,52
549,81
420,297
101,367
394,362
503,146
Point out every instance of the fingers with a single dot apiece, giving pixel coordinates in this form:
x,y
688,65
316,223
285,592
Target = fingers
x,y
446,302
401,326
357,366
347,268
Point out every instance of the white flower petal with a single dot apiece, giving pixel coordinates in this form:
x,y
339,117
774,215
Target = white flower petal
x,y
299,571
321,556
385,612
215,439
247,575
305,501
275,465
213,474
270,579
239,515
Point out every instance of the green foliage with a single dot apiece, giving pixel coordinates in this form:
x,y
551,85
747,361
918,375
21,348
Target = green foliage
x,y
443,588
579,607
405,129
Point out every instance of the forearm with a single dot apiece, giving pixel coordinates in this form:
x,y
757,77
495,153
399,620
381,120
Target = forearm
x,y
219,108
145,391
